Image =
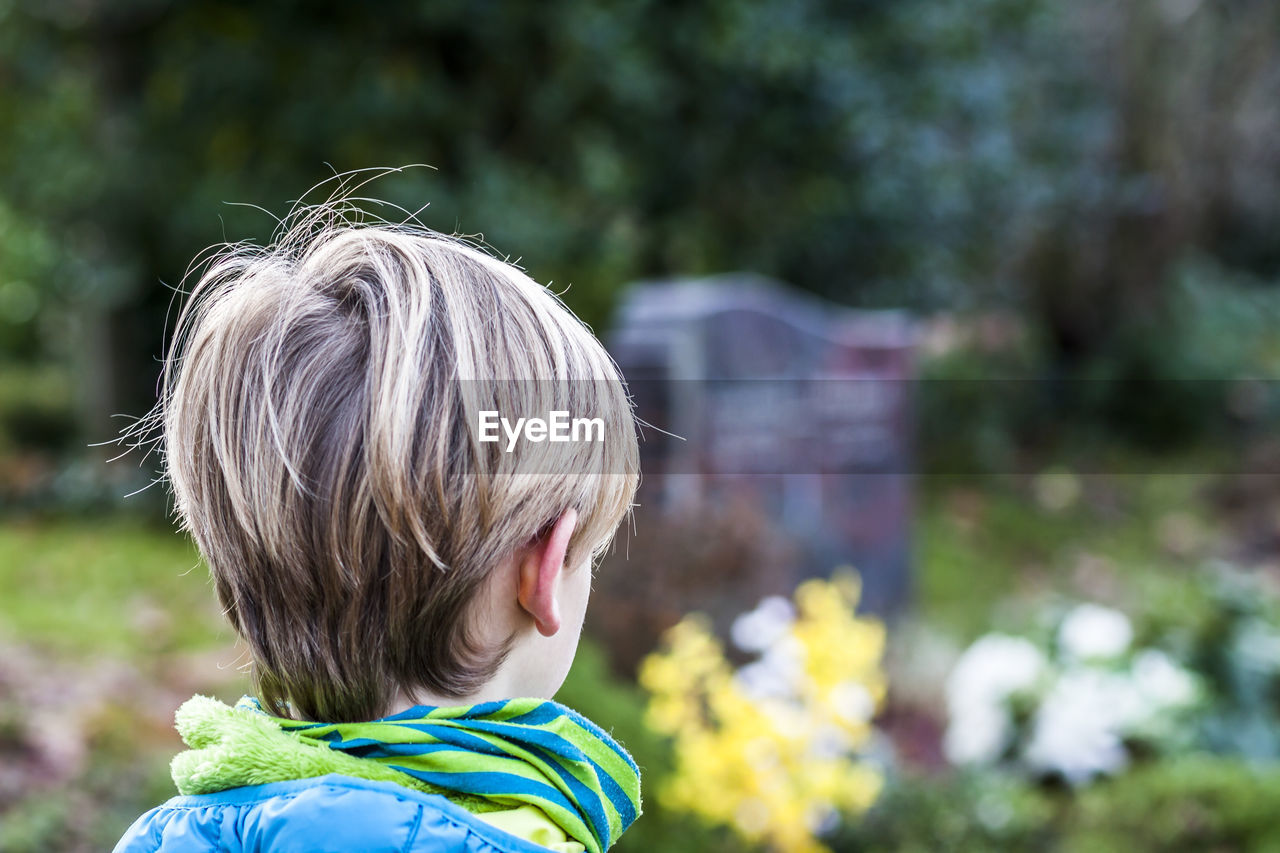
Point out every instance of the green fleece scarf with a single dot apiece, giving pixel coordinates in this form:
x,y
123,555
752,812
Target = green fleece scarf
x,y
487,757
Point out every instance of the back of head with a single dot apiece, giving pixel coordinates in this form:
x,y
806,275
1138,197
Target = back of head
x,y
320,413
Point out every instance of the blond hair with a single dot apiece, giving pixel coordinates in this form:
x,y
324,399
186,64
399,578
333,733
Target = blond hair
x,y
319,411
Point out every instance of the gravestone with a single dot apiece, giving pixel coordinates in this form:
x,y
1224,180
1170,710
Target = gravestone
x,y
752,390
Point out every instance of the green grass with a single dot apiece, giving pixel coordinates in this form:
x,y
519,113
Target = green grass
x,y
118,588
110,593
984,541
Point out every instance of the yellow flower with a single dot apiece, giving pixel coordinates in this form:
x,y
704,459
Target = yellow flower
x,y
775,767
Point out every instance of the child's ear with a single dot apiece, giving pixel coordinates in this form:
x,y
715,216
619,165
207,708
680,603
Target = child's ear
x,y
541,568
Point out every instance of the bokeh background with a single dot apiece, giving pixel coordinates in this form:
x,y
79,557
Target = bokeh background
x,y
1080,196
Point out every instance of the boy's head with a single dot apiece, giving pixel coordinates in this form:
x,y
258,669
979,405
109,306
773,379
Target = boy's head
x,y
322,421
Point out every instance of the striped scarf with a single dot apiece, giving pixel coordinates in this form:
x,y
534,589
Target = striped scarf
x,y
486,757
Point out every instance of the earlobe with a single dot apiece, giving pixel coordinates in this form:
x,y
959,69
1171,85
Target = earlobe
x,y
541,570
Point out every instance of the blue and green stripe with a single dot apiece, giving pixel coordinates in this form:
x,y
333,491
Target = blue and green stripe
x,y
510,753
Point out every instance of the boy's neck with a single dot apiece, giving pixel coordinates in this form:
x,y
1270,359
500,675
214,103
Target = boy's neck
x,y
494,689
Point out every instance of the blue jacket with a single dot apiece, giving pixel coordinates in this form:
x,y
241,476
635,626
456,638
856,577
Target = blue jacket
x,y
326,813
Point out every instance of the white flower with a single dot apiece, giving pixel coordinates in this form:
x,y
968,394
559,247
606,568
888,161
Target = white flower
x,y
1078,728
977,735
757,630
822,819
827,742
777,674
1162,682
852,702
989,672
992,669
763,682
1092,632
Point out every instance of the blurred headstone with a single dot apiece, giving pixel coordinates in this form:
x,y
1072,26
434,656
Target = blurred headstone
x,y
756,392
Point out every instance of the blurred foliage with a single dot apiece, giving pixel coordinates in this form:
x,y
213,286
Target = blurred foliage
x,y
1191,803
1228,628
105,626
1061,159
978,543
963,812
116,588
35,409
989,403
89,813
